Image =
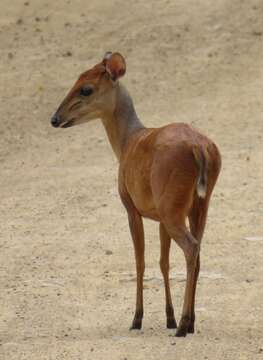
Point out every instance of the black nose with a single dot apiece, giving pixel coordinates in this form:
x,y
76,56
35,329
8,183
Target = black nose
x,y
55,120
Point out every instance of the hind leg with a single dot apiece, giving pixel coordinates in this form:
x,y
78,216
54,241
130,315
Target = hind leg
x,y
197,222
190,247
191,327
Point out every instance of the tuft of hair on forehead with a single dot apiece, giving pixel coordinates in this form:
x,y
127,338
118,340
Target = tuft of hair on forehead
x,y
112,63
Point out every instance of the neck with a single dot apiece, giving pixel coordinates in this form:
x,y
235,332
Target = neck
x,y
123,122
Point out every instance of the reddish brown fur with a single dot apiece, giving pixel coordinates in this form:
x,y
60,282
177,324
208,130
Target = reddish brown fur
x,y
158,179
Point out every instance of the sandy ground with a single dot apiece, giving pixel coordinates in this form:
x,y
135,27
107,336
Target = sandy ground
x,y
67,288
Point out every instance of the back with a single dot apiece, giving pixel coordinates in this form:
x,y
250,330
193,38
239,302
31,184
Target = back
x,y
157,160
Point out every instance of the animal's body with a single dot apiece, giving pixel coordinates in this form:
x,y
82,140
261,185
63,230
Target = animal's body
x,y
166,174
158,170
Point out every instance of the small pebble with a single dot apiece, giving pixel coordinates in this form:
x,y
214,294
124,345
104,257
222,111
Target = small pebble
x,y
67,54
108,252
249,280
257,33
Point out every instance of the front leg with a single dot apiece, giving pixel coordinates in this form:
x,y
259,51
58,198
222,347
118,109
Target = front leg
x,y
137,233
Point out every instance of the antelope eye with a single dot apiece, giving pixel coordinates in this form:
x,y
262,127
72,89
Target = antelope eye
x,y
86,91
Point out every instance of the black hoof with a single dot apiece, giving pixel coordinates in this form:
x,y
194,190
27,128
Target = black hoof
x,y
183,327
181,332
136,325
191,328
171,324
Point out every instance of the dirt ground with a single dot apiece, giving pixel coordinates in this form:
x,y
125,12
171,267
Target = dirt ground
x,y
67,272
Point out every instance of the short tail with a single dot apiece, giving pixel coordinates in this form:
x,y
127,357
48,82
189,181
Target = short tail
x,y
200,156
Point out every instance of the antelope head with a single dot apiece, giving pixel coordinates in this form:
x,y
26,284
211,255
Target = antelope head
x,y
93,95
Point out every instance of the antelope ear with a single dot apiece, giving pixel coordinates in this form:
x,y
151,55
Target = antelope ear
x,y
115,65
